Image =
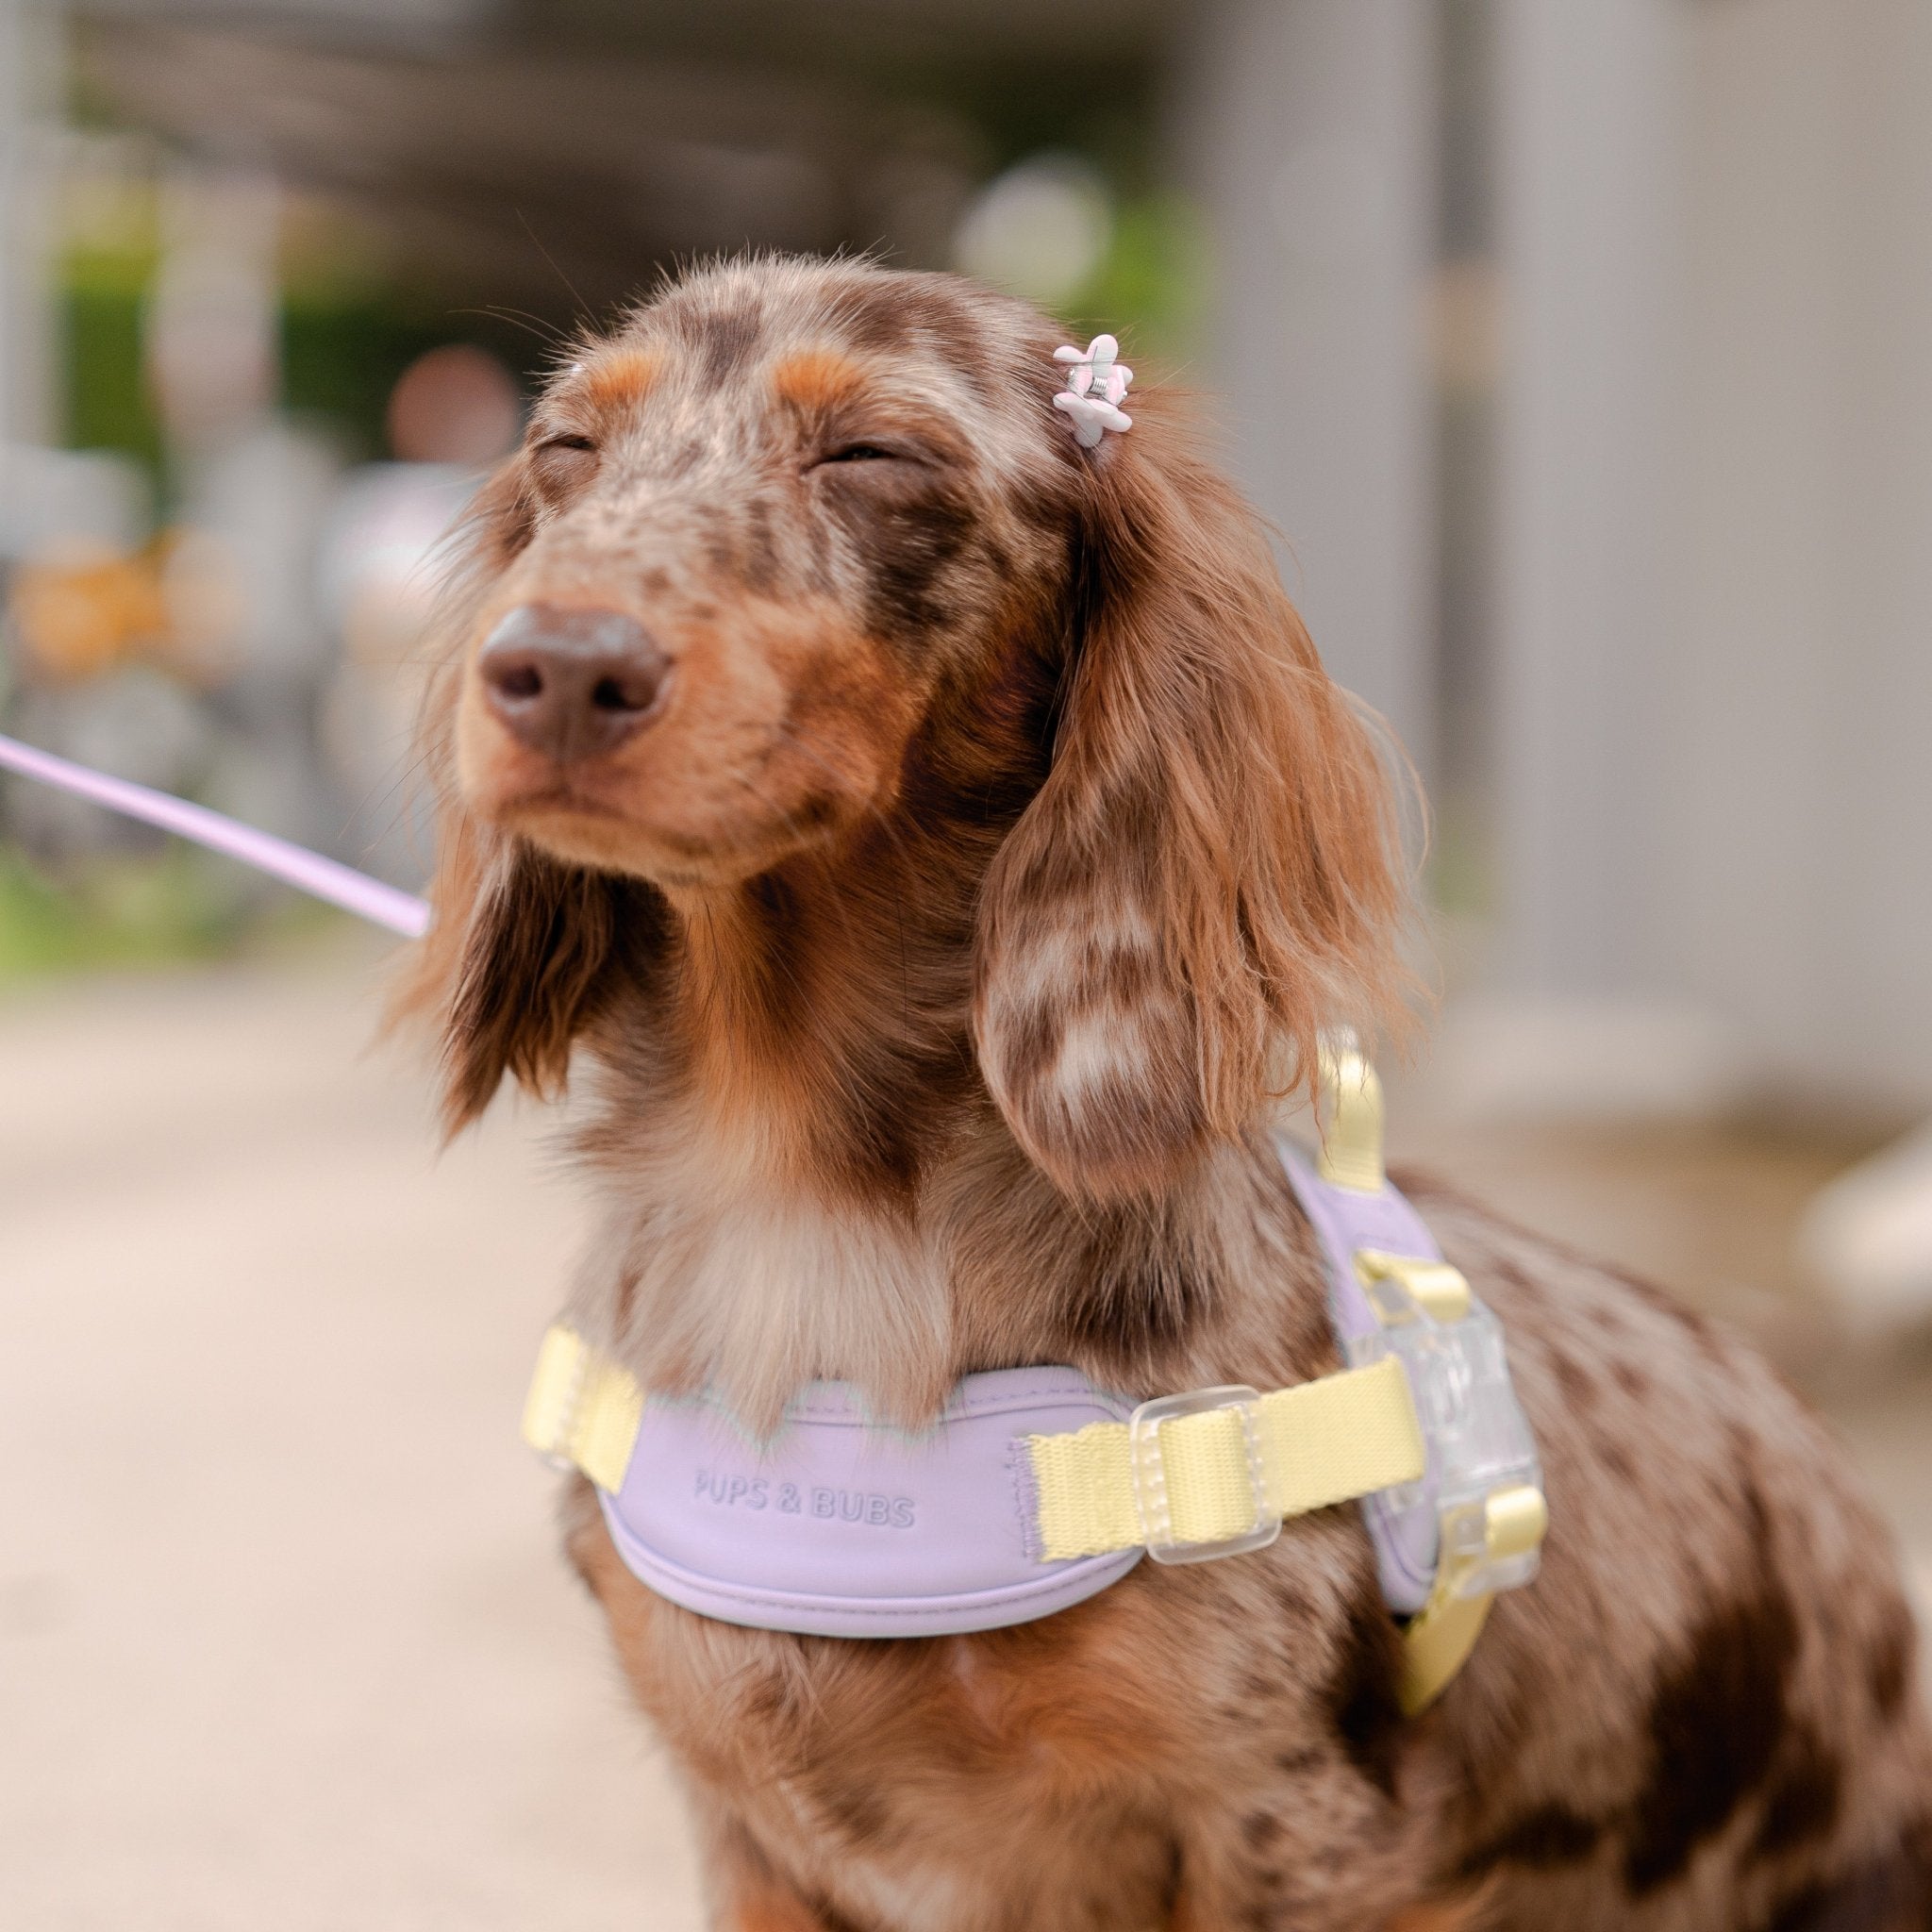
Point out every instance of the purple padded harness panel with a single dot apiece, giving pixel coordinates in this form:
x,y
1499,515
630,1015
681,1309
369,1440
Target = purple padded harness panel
x,y
838,1528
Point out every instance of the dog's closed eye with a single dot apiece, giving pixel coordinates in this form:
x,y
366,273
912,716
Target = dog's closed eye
x,y
860,453
560,462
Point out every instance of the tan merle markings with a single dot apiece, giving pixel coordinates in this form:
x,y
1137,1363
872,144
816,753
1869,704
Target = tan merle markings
x,y
837,396
817,381
617,379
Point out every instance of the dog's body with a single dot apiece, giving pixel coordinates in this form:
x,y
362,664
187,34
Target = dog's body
x,y
940,839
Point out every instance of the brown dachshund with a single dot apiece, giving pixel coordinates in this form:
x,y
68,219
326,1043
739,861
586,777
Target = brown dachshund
x,y
941,845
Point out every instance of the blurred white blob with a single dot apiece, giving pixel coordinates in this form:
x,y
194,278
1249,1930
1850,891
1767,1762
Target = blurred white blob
x,y
382,560
241,585
1867,1237
1039,230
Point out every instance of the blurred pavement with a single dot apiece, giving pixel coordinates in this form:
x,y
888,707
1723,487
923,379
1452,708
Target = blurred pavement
x,y
286,1644
285,1639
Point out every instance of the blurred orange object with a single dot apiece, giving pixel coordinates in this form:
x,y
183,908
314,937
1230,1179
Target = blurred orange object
x,y
174,603
80,614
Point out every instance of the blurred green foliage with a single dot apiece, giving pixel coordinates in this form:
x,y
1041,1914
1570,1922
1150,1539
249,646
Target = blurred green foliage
x,y
108,404
110,912
1151,286
174,907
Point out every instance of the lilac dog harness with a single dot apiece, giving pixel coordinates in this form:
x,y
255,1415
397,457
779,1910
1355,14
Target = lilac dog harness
x,y
842,1529
1035,1489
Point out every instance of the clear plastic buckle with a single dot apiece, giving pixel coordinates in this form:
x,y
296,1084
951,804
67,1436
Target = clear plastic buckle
x,y
1482,1456
1151,1500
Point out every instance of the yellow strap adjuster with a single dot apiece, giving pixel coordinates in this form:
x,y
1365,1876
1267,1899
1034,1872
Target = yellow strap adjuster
x,y
1441,1291
1203,1475
583,1409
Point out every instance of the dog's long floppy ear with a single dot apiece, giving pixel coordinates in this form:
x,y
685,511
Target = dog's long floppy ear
x,y
1210,874
524,951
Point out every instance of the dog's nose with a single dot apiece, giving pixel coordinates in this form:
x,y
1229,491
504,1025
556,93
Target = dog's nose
x,y
571,682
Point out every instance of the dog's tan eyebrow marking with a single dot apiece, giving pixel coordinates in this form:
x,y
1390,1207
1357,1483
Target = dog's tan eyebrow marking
x,y
817,380
620,375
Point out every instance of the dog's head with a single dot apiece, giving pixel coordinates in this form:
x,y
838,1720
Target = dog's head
x,y
804,548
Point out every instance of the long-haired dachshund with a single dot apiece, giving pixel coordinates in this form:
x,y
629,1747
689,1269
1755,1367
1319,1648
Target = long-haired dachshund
x,y
941,846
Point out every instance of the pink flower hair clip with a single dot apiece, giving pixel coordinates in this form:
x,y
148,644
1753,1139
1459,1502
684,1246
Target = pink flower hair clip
x,y
1095,385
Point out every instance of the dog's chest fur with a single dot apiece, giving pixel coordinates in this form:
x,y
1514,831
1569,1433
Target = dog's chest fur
x,y
714,1270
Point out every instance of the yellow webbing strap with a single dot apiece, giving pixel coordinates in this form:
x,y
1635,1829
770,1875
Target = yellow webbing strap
x,y
582,1408
1443,1632
1322,1441
1436,1641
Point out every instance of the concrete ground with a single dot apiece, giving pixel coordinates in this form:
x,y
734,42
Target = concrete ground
x,y
284,1641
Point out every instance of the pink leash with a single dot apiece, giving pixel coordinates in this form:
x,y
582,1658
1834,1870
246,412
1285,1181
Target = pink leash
x,y
354,891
